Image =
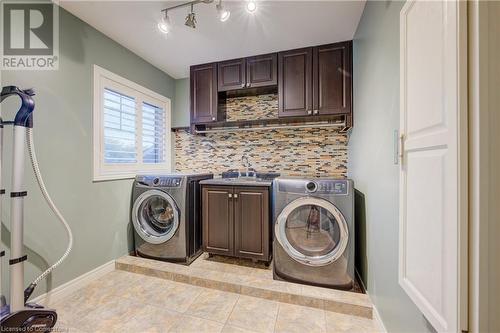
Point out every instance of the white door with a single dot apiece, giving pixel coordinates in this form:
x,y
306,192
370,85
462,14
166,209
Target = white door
x,y
433,178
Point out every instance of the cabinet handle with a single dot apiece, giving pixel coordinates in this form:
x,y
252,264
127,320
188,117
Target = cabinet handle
x,y
236,196
316,111
230,195
309,112
213,118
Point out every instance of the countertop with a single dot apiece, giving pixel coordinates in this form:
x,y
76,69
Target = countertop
x,y
237,182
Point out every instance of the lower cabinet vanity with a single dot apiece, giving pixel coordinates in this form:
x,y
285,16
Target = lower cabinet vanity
x,y
236,221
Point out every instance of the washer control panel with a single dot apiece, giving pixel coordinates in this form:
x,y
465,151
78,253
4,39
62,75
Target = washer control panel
x,y
327,186
159,181
339,187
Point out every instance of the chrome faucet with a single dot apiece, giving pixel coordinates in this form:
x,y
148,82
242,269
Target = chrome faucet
x,y
246,163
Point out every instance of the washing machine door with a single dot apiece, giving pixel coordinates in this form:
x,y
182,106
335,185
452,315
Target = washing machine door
x,y
312,231
155,216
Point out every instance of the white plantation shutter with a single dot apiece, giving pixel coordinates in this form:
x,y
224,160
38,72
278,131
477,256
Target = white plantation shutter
x,y
119,128
131,128
153,133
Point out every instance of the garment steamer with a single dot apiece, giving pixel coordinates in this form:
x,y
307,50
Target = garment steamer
x,y
22,316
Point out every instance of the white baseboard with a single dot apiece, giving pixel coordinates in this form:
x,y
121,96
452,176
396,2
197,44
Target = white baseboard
x,y
79,282
378,320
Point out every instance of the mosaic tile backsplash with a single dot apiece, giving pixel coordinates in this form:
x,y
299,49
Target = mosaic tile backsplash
x,y
305,152
252,107
293,152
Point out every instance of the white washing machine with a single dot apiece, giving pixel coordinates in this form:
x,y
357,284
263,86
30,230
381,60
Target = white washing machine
x,y
314,231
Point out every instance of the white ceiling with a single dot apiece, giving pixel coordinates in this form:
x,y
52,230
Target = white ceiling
x,y
275,26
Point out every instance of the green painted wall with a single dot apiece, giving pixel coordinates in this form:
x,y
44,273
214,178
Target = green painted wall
x,y
180,114
371,163
97,212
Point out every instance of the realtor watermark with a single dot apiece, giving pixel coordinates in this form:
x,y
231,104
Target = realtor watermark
x,y
29,35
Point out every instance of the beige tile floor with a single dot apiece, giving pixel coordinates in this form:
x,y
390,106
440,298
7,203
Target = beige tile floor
x,y
128,302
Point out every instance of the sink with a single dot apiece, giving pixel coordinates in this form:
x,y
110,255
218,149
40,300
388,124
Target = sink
x,y
242,175
236,178
245,179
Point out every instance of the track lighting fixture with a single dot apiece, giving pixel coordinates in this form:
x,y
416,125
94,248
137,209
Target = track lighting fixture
x,y
164,25
191,19
222,12
251,6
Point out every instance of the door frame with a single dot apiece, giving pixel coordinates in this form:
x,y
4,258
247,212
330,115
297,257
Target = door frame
x,y
483,215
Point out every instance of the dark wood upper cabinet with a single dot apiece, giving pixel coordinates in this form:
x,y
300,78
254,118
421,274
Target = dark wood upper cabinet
x,y
217,208
232,75
295,82
332,79
251,72
251,222
262,71
313,83
203,93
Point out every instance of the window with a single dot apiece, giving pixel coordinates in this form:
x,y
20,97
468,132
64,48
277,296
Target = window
x,y
131,128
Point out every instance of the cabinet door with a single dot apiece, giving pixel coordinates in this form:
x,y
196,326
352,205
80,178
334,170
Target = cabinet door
x,y
295,82
251,223
218,220
231,75
262,70
332,78
203,93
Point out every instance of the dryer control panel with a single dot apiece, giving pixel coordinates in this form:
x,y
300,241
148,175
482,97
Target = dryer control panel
x,y
159,181
318,186
338,187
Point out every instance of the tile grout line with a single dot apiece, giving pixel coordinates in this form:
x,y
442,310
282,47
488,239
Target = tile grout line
x,y
136,314
232,309
277,315
201,318
326,322
237,325
194,300
223,323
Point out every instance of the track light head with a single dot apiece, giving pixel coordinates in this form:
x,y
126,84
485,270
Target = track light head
x,y
164,25
191,19
251,6
222,12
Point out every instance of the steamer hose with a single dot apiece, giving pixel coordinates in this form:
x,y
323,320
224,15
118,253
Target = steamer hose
x,y
41,184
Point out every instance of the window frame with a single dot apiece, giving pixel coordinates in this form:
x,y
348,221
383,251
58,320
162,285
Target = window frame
x,y
106,171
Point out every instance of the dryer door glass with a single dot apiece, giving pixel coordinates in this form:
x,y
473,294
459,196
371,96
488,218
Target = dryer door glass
x,y
155,216
312,231
158,213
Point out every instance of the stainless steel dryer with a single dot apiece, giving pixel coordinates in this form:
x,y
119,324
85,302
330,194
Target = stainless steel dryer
x,y
166,215
314,231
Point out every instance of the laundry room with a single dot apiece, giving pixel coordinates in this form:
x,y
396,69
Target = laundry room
x,y
248,166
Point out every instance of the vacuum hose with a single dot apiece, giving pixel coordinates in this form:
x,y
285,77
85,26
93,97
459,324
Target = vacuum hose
x,y
41,184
